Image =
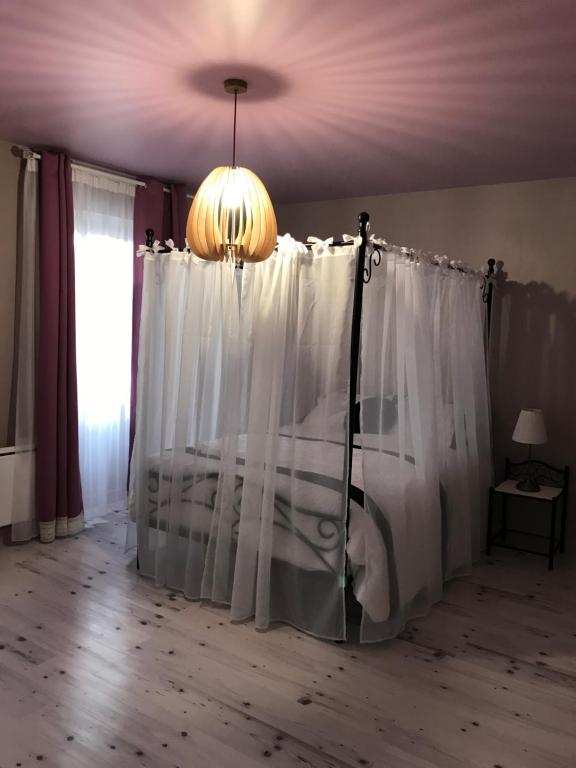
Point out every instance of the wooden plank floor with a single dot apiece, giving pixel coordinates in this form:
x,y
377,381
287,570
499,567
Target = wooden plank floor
x,y
100,668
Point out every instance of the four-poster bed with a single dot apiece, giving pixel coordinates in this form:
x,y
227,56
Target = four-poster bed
x,y
327,528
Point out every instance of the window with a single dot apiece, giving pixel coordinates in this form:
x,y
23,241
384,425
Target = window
x,y
103,244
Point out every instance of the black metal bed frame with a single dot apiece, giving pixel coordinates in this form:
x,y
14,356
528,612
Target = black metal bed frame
x,y
363,274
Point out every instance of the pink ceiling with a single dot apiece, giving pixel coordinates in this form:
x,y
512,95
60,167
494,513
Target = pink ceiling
x,y
346,97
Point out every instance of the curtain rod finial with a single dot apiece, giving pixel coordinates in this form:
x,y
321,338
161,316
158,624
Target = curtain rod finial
x,y
363,224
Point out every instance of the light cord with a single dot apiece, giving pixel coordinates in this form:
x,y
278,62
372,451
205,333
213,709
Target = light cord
x,y
234,132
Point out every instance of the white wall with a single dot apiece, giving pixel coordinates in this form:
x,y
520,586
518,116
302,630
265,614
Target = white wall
x,y
531,228
9,170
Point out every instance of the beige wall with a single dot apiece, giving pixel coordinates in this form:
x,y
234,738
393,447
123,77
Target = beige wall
x,y
9,169
531,228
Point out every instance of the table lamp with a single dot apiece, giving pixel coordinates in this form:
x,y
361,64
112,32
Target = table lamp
x,y
530,430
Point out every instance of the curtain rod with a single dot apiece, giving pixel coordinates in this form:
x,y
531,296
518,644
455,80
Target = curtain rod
x,y
29,153
108,174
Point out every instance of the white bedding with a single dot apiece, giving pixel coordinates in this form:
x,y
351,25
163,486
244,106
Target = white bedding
x,y
311,534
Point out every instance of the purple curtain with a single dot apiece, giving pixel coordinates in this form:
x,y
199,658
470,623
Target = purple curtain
x,y
58,489
180,205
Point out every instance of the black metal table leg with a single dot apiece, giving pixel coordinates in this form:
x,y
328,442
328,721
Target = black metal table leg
x,y
563,521
504,530
490,516
552,543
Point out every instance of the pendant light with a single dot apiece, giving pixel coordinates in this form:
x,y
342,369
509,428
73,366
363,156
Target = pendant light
x,y
231,214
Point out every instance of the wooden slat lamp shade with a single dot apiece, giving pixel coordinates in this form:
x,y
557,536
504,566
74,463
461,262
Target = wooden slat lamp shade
x,y
232,217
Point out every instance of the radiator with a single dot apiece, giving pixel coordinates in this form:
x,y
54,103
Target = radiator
x,y
6,485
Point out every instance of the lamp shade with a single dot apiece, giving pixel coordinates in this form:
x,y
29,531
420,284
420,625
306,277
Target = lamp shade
x,y
530,428
232,217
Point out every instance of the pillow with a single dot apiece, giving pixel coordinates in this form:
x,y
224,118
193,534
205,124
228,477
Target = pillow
x,y
328,417
332,407
380,415
379,419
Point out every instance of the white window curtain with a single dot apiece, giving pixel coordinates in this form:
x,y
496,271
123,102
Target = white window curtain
x,y
425,433
103,245
24,525
239,468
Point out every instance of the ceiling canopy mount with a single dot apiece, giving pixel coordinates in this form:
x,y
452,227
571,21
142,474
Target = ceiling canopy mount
x,y
235,85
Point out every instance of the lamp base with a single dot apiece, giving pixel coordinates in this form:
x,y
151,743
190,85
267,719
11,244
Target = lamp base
x,y
528,485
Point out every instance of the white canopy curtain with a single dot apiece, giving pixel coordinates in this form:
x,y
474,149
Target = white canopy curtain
x,y
103,232
425,418
24,525
462,413
239,469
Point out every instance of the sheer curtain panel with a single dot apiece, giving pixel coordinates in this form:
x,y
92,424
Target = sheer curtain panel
x,y
239,468
291,526
462,412
425,432
104,219
166,213
400,465
148,213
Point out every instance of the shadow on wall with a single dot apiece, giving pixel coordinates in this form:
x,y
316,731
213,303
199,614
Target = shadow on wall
x,y
533,365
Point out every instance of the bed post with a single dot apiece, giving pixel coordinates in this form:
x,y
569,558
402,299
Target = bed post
x,y
491,271
487,294
363,225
